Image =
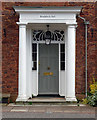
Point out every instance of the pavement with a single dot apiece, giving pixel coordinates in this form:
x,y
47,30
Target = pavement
x,y
48,111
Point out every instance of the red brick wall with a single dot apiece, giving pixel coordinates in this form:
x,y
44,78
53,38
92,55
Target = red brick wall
x,y
0,47
96,36
10,43
9,49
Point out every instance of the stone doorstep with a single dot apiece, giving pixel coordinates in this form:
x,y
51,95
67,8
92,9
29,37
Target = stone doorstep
x,y
56,100
47,100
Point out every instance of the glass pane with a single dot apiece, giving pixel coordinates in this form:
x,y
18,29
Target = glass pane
x,y
59,36
62,56
62,65
62,32
34,66
55,37
62,38
34,47
34,56
62,47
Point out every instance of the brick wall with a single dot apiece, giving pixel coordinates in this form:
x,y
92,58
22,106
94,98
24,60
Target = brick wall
x,y
10,44
0,47
96,36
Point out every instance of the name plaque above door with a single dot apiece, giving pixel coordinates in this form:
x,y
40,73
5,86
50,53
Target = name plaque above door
x,y
47,16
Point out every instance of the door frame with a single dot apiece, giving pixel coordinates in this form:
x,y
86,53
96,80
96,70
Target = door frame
x,y
38,53
62,74
64,15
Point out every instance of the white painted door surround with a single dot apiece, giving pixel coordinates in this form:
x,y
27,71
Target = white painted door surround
x,y
51,15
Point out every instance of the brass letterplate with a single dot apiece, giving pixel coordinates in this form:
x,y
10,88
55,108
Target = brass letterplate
x,y
48,73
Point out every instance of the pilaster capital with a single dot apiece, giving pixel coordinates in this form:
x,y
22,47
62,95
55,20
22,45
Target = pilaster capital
x,y
22,24
72,25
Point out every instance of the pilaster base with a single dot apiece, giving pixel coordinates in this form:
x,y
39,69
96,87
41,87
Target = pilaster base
x,y
71,99
21,99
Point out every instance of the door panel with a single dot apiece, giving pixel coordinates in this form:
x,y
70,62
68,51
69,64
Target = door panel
x,y
48,69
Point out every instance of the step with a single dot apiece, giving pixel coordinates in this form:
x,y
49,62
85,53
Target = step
x,y
45,101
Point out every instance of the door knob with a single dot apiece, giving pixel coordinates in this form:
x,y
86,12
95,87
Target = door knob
x,y
48,68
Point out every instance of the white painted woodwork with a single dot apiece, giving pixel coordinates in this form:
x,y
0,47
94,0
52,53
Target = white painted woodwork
x,y
48,14
34,84
22,96
29,63
70,64
62,83
33,17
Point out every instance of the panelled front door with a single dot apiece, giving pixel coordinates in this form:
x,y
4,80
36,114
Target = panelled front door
x,y
48,69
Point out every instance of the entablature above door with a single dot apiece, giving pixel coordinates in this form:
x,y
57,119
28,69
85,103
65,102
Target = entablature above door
x,y
52,14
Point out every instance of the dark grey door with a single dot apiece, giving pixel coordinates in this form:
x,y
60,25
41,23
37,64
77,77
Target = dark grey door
x,y
48,69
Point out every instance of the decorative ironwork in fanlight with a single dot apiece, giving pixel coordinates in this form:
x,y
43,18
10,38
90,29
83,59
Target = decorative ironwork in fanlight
x,y
39,35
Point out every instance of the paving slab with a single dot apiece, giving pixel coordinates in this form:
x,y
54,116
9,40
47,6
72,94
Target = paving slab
x,y
48,111
46,104
7,108
19,110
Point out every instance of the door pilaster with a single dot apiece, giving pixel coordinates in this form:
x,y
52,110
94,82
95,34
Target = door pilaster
x,y
22,64
70,63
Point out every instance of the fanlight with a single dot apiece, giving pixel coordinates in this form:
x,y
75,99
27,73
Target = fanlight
x,y
48,36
